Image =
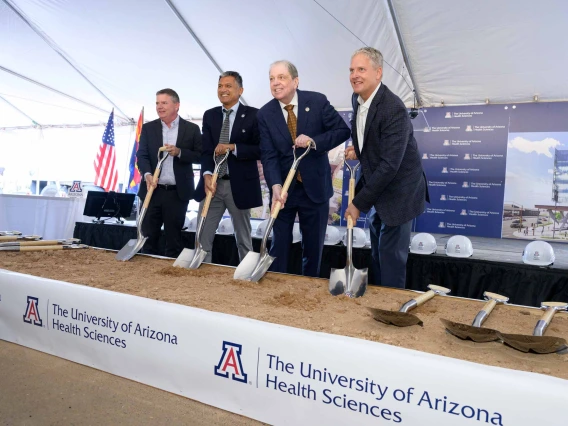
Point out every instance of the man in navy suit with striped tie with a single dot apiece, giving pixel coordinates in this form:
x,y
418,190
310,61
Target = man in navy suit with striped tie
x,y
295,118
232,127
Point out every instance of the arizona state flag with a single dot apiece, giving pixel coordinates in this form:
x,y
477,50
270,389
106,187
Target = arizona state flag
x,y
134,181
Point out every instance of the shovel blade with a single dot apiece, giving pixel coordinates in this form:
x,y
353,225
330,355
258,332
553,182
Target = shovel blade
x,y
337,281
464,331
253,267
190,259
400,319
357,286
538,344
130,249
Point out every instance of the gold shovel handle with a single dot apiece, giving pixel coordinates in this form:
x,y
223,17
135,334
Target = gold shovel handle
x,y
423,298
41,248
287,183
209,197
155,178
350,198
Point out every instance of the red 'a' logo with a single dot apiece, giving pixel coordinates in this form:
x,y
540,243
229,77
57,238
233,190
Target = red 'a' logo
x,y
32,313
230,364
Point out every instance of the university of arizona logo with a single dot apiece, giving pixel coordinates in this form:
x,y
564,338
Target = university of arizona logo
x,y
230,364
32,313
76,190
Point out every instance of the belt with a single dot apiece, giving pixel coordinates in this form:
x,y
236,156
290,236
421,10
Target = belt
x,y
225,177
167,187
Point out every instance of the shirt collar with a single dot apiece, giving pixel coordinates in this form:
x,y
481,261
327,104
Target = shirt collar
x,y
294,101
369,101
235,108
175,123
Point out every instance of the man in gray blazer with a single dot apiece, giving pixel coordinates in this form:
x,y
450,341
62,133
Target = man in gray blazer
x,y
392,181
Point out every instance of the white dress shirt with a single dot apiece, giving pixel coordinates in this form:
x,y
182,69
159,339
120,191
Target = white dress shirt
x,y
169,135
362,112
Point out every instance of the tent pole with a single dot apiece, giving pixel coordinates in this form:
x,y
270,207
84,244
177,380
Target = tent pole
x,y
188,28
20,111
30,80
404,53
60,52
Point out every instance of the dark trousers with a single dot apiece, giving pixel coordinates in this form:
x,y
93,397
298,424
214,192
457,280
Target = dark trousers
x,y
165,208
313,223
389,251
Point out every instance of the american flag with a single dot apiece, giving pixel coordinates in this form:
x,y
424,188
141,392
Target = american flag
x,y
106,175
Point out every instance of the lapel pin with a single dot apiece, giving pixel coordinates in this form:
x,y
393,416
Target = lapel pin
x,y
307,109
243,116
244,130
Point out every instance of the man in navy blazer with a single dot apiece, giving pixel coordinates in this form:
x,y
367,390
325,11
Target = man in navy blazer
x,y
393,181
237,190
315,121
168,206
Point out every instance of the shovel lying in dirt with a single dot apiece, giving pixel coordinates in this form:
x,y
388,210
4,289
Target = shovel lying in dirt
x,y
45,248
133,246
402,318
537,342
5,233
41,242
254,265
475,332
11,238
192,259
351,281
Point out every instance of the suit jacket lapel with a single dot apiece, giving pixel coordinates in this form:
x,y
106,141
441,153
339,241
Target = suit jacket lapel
x,y
238,123
278,120
181,130
218,118
373,110
303,112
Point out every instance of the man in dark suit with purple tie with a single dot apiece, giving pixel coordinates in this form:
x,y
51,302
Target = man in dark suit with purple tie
x,y
295,118
232,127
393,181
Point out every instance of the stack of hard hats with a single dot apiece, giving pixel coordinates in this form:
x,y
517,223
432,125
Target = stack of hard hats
x,y
538,253
359,238
423,243
296,233
459,246
259,233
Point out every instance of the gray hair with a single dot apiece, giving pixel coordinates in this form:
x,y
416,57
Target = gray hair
x,y
373,54
233,74
170,92
291,67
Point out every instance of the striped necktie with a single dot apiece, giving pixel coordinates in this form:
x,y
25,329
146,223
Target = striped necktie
x,y
224,138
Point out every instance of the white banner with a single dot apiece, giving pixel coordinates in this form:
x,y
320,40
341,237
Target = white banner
x,y
272,373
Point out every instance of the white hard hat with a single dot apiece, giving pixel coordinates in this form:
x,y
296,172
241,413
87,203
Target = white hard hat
x,y
192,227
296,233
423,243
359,238
538,253
459,246
226,227
332,236
261,229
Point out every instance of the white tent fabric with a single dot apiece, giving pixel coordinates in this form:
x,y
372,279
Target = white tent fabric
x,y
70,62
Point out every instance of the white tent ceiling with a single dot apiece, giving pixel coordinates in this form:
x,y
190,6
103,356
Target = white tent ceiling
x,y
117,53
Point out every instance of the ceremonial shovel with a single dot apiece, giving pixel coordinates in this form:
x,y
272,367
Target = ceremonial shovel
x,y
44,248
402,318
537,342
351,281
11,238
475,332
192,259
254,265
4,233
41,242
133,246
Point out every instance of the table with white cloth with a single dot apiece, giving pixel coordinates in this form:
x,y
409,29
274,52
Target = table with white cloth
x,y
50,217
